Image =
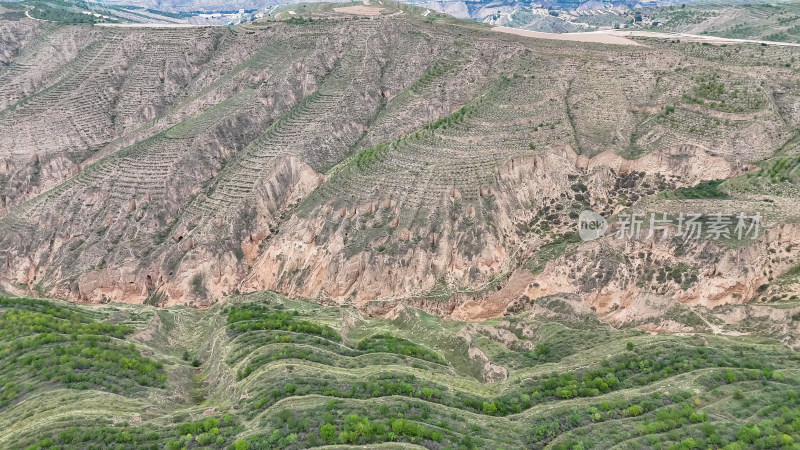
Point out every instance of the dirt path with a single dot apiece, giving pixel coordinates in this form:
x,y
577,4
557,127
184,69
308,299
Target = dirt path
x,y
157,25
620,37
686,37
360,10
598,37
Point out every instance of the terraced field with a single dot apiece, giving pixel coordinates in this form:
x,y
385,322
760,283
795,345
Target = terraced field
x,y
777,23
332,229
264,371
365,160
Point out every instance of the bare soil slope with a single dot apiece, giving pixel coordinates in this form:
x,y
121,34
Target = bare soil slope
x,y
372,161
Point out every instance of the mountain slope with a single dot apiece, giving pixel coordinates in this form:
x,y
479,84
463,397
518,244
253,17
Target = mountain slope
x,y
402,158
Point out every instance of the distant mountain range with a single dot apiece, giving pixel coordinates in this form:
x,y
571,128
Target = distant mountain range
x,y
472,8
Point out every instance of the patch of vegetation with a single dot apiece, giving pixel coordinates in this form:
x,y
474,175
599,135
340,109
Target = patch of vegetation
x,y
598,382
706,189
174,15
300,20
390,344
44,344
64,12
211,432
198,283
547,253
254,317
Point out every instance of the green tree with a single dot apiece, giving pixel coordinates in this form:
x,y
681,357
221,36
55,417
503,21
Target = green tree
x,y
205,438
328,432
748,434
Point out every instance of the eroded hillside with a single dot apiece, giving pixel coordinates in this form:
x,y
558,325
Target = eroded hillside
x,y
385,160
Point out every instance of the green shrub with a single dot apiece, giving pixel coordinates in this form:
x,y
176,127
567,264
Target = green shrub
x,y
706,189
328,433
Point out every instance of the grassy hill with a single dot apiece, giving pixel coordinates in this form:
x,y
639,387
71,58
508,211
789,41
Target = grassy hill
x,y
264,371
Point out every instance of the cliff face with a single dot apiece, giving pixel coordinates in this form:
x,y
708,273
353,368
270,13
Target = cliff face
x,y
476,240
375,162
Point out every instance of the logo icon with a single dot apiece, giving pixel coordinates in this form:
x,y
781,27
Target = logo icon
x,y
591,225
